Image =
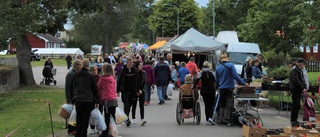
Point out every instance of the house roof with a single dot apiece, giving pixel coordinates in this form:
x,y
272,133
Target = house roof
x,y
50,38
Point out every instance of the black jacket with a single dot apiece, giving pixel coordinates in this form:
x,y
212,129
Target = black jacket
x,y
128,81
85,87
208,81
247,69
47,63
296,79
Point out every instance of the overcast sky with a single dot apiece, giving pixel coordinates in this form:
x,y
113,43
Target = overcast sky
x,y
202,2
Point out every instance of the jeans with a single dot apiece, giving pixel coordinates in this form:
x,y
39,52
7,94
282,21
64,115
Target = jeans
x,y
161,92
83,114
148,93
296,97
141,106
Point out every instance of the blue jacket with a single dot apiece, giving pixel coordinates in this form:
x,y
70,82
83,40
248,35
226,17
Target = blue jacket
x,y
256,72
182,73
174,75
162,74
225,76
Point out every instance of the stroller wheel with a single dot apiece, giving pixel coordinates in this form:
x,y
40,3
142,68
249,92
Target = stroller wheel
x,y
41,83
55,82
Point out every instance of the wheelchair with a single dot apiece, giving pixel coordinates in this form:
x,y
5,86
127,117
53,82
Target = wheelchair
x,y
188,107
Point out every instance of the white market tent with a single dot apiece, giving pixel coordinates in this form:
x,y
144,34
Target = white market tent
x,y
193,41
58,51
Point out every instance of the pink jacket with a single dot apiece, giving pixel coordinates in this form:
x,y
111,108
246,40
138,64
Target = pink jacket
x,y
107,88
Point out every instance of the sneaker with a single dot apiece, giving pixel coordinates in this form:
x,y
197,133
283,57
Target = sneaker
x,y
167,98
161,102
133,121
143,122
211,121
145,103
208,123
92,131
128,123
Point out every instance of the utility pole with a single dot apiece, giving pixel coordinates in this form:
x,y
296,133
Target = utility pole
x,y
213,20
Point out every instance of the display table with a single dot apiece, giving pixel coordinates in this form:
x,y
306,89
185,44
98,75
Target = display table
x,y
247,106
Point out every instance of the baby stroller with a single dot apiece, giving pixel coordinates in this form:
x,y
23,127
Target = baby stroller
x,y
188,107
48,74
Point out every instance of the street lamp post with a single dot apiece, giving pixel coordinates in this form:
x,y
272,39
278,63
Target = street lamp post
x,y
178,31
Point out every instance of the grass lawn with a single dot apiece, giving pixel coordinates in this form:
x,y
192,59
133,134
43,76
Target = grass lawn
x,y
56,62
23,116
313,76
8,56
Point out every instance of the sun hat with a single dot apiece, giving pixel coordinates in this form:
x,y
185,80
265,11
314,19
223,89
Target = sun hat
x,y
224,58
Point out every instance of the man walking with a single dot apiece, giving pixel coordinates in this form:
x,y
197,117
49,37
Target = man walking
x,y
226,75
163,76
77,64
127,84
297,87
85,97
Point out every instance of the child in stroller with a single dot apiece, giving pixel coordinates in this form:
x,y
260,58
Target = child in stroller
x,y
188,106
48,74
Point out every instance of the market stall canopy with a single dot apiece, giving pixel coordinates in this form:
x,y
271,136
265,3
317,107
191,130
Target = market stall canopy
x,y
157,45
193,41
59,51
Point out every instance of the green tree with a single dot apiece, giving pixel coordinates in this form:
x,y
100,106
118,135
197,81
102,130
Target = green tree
x,y
21,17
164,17
269,23
103,25
228,15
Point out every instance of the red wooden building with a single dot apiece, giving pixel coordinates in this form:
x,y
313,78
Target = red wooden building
x,y
42,41
310,52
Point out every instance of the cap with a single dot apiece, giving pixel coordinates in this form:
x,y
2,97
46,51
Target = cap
x,y
248,58
301,60
192,58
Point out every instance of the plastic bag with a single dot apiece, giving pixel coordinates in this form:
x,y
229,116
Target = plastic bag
x,y
113,129
170,89
120,116
73,117
65,111
97,119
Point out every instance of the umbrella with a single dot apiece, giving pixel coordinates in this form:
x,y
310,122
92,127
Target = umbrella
x,y
145,46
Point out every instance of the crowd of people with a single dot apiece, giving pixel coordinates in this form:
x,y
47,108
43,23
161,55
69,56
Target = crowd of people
x,y
99,82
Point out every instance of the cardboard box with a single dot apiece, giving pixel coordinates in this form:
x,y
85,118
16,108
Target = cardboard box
x,y
278,136
318,117
253,132
313,133
289,129
293,134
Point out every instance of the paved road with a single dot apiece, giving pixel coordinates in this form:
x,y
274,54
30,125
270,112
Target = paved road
x,y
162,123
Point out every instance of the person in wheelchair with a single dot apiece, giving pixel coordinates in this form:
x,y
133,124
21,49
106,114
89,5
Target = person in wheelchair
x,y
188,96
47,73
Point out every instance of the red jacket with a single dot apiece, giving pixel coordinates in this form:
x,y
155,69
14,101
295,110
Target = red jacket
x,y
150,74
192,67
107,88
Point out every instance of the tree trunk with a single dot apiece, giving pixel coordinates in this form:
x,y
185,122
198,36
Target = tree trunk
x,y
24,61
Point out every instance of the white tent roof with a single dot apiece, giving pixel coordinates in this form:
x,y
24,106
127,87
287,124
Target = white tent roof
x,y
58,51
227,37
193,41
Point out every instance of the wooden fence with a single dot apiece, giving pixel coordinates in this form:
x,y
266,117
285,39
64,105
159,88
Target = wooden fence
x,y
313,66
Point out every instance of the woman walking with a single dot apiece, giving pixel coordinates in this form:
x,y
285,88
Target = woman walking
x,y
151,80
140,95
94,71
118,67
208,90
108,95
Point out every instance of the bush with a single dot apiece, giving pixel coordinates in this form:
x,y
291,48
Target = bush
x,y
273,59
279,73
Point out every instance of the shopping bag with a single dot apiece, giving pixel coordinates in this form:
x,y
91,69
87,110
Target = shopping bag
x,y
65,111
170,89
120,116
73,117
113,129
97,119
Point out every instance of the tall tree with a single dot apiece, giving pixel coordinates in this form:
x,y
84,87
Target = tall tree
x,y
269,23
164,18
21,17
228,15
104,24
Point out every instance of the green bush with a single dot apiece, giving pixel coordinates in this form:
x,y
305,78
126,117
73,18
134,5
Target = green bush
x,y
273,59
295,52
279,73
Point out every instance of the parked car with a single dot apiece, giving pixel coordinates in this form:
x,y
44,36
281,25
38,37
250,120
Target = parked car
x,y
35,56
3,52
